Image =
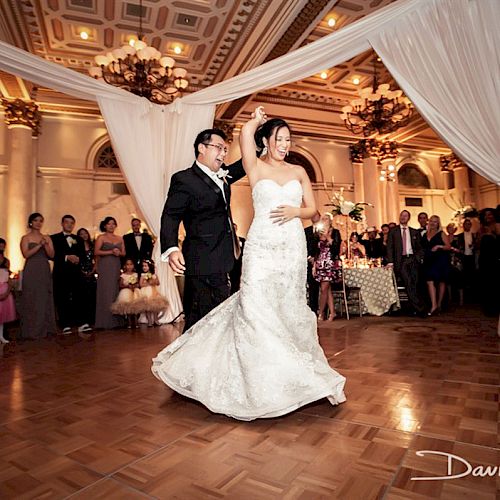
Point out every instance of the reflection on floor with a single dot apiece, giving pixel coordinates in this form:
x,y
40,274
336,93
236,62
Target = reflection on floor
x,y
87,419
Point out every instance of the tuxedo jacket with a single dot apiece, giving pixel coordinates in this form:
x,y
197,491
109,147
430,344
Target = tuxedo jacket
x,y
395,246
197,201
135,253
312,239
63,269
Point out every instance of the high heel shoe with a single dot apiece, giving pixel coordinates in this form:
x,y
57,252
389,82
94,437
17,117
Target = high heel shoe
x,y
331,317
321,317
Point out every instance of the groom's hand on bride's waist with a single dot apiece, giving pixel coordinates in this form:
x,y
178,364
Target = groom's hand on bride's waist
x,y
176,262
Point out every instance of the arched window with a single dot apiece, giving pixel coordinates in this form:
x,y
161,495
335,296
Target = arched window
x,y
299,159
410,175
105,157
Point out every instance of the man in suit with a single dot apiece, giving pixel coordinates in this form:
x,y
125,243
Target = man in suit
x,y
423,220
467,242
200,197
138,245
405,253
67,277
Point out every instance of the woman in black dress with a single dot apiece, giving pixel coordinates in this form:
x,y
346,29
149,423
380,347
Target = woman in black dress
x,y
89,281
436,262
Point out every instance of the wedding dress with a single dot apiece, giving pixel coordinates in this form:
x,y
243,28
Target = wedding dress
x,y
257,354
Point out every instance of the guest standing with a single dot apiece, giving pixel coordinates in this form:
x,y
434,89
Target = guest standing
x,y
326,269
109,248
467,243
312,251
235,273
355,248
68,248
404,253
37,300
436,262
489,262
4,261
7,305
384,229
138,245
423,221
373,245
88,273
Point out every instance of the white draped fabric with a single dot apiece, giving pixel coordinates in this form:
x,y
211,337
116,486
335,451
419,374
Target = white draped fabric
x,y
446,58
443,53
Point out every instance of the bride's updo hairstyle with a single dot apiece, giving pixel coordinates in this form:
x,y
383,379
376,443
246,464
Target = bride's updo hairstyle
x,y
267,130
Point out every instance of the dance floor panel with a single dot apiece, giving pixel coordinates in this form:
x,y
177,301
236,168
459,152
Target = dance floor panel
x,y
86,419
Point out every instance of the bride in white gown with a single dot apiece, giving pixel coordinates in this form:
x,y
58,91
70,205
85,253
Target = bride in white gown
x,y
257,354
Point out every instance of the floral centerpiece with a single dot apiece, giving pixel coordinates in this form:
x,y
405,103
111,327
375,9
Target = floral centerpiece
x,y
341,206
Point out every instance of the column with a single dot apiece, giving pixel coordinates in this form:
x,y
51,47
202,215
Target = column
x,y
446,174
461,174
359,188
372,187
22,118
392,191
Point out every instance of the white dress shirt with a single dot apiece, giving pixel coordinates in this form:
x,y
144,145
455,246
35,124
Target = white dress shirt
x,y
409,249
213,175
468,243
138,240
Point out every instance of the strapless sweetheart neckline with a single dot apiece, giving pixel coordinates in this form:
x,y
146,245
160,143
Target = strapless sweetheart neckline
x,y
276,183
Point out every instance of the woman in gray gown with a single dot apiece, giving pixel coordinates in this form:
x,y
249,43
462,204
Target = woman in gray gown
x,y
37,301
109,247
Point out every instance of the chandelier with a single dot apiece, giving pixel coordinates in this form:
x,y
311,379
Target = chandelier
x,y
377,110
142,70
385,152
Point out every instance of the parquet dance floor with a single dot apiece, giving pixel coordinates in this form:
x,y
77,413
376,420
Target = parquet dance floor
x,y
87,420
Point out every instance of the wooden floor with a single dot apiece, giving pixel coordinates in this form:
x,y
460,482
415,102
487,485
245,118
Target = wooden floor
x,y
87,420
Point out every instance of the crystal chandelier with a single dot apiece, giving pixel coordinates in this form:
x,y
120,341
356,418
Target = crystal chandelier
x,y
377,110
142,70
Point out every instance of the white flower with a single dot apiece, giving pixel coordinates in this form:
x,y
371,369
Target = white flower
x,y
346,207
222,174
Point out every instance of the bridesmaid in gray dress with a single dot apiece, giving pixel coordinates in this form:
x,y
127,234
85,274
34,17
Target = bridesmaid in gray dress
x,y
109,247
37,301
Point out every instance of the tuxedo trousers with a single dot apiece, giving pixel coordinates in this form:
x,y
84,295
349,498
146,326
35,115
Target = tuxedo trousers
x,y
408,273
202,294
68,299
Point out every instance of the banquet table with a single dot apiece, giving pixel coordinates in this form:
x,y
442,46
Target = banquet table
x,y
378,286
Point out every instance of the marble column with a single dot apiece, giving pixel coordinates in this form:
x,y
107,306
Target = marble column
x,y
371,186
461,174
392,191
22,119
359,188
447,177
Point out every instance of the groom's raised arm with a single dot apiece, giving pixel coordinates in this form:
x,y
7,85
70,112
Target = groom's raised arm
x,y
173,213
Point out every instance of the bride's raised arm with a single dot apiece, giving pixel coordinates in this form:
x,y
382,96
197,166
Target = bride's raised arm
x,y
247,140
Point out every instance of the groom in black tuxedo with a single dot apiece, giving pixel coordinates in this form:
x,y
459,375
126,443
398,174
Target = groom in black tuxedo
x,y
67,277
200,197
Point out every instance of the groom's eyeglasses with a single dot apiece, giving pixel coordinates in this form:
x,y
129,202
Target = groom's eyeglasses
x,y
218,146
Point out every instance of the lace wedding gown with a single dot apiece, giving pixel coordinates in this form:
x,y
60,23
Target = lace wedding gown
x,y
257,354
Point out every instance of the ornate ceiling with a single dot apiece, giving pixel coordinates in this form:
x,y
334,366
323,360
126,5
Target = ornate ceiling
x,y
218,39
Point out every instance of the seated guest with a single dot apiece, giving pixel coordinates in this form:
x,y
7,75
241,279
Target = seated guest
x,y
384,228
374,246
355,249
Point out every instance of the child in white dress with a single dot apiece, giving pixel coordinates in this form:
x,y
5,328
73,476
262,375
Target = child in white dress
x,y
128,303
153,302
